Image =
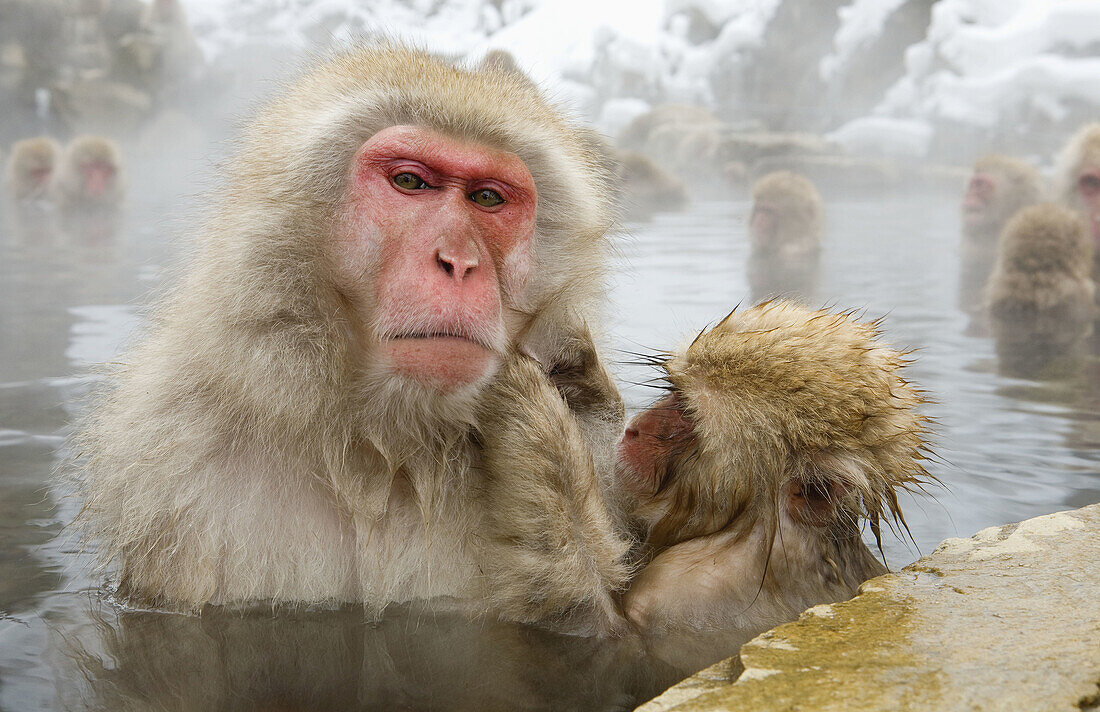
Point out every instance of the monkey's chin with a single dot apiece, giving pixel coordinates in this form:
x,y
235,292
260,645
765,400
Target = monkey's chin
x,y
445,363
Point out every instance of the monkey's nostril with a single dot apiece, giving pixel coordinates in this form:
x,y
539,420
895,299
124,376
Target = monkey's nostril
x,y
445,265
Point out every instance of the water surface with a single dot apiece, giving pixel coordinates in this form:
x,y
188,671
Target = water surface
x,y
1008,449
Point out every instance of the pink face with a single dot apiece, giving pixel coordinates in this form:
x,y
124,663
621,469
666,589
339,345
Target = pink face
x,y
763,223
979,195
97,177
438,229
1088,188
652,439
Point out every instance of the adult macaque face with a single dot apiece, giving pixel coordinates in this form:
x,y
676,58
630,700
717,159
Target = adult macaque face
x,y
445,226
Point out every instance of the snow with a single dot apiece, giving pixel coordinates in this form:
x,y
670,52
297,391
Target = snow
x,y
860,23
987,64
882,136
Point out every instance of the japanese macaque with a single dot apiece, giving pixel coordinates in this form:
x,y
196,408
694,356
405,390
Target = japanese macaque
x,y
647,188
998,188
783,430
1078,173
785,235
181,56
89,175
299,423
1040,297
30,168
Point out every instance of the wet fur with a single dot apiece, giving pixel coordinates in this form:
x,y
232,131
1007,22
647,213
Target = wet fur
x,y
778,395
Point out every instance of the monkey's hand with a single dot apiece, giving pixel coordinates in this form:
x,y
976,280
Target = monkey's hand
x,y
591,395
553,552
583,381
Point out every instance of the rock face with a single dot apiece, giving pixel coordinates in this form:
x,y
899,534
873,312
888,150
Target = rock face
x,y
1006,620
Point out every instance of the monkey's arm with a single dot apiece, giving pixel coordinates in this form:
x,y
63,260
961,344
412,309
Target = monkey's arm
x,y
558,556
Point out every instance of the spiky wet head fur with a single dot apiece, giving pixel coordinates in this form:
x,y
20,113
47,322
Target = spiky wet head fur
x,y
779,393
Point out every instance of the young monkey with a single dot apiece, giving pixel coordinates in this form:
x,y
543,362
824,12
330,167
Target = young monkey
x,y
783,428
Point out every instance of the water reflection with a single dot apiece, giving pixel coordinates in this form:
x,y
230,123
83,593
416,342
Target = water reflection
x,y
414,659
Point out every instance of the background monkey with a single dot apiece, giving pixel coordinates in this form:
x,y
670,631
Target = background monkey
x,y
785,235
297,424
30,168
999,187
1078,171
782,430
89,174
1040,296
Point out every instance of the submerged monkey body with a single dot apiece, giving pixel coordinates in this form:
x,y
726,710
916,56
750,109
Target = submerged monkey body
x,y
292,430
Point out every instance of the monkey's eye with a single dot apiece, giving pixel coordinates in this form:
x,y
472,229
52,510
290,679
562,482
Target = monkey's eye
x,y
409,181
486,198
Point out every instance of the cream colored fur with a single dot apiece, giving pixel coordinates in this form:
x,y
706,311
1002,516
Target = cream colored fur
x,y
245,452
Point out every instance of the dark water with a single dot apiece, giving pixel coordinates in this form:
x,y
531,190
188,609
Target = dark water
x,y
1009,449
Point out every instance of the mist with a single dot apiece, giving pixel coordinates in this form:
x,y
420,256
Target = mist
x,y
883,105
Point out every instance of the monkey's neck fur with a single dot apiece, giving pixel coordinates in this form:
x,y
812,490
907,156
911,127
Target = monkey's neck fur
x,y
257,480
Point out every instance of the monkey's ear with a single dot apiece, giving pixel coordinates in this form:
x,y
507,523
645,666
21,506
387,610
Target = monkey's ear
x,y
813,500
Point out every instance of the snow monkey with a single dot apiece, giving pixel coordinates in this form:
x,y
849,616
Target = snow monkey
x,y
998,188
299,422
30,168
785,235
89,174
1040,296
1078,172
782,430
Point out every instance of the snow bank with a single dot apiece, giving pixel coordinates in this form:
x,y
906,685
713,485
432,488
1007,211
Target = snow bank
x,y
990,64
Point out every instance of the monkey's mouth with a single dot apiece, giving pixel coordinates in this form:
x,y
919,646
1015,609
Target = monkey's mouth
x,y
445,335
442,360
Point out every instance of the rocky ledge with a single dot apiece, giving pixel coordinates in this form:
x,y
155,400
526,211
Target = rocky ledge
x,y
1008,619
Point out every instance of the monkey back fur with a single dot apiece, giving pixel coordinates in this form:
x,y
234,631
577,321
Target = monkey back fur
x,y
1040,297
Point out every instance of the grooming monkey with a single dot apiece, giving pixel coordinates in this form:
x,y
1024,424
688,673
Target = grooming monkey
x,y
999,187
783,429
298,422
1040,298
785,234
30,168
